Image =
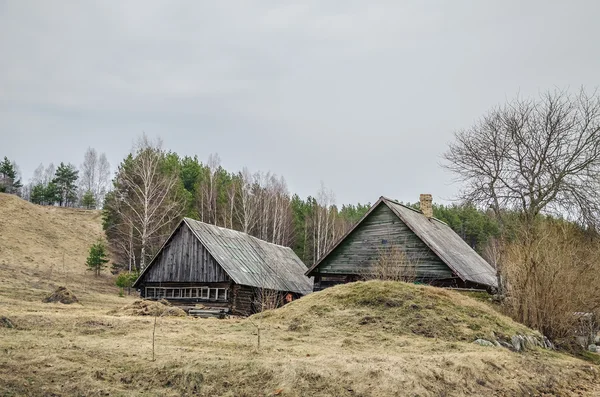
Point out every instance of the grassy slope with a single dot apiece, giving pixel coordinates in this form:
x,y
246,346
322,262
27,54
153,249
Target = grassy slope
x,y
42,247
364,339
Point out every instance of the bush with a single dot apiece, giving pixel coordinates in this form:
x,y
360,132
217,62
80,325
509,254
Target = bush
x,y
126,280
552,275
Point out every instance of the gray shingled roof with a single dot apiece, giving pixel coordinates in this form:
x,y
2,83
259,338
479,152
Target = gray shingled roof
x,y
441,239
446,244
250,261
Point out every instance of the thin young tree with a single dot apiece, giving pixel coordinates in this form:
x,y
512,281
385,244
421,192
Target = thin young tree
x,y
97,258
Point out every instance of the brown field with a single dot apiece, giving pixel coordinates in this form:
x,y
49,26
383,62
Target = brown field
x,y
364,339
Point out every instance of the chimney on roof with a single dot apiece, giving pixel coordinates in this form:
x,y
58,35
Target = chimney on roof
x,y
425,203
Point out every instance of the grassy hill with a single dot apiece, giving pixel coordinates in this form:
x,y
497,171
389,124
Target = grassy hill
x,y
361,339
42,247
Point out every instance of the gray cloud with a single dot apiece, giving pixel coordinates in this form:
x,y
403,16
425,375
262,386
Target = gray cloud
x,y
363,96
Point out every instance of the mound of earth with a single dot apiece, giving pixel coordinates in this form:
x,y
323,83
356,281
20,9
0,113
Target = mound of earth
x,y
404,309
62,295
149,308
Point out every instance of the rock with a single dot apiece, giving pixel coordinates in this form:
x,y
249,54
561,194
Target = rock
x,y
506,344
483,342
518,343
530,342
594,348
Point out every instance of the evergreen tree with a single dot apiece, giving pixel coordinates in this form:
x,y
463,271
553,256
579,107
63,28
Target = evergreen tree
x,y
37,194
97,258
88,200
51,194
9,183
65,178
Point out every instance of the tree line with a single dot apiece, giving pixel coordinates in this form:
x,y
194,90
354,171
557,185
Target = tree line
x,y
65,185
154,188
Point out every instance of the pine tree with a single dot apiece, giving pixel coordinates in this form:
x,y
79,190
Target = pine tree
x,y
37,194
8,177
65,178
97,258
88,200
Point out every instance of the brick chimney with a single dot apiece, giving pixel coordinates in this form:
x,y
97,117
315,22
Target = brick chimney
x,y
425,203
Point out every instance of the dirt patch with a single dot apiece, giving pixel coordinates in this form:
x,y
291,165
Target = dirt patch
x,y
62,295
149,308
6,323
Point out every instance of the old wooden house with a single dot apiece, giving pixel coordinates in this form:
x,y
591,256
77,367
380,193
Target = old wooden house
x,y
436,254
223,268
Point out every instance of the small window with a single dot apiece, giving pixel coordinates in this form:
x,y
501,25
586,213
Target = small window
x,y
222,294
212,295
384,241
204,293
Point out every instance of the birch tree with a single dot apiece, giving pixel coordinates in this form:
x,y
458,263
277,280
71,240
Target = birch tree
x,y
150,195
246,211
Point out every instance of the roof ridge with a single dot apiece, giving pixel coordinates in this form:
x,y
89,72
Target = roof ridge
x,y
236,231
412,209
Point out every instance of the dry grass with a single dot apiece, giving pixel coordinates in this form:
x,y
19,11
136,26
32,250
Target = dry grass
x,y
42,248
321,345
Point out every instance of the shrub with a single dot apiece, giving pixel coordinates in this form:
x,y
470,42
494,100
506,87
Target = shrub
x,y
392,264
126,280
552,275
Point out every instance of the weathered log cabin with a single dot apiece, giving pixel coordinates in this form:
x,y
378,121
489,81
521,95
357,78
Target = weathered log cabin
x,y
431,251
223,268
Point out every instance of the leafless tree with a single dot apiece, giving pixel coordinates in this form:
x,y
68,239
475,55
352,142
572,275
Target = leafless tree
x,y
49,174
95,174
324,221
210,190
103,181
535,156
89,170
148,195
246,211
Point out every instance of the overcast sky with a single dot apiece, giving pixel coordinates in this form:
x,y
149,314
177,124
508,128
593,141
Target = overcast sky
x,y
364,96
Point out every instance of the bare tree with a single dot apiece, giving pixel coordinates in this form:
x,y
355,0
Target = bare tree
x,y
534,156
246,211
210,191
149,194
89,170
49,174
95,174
325,222
103,180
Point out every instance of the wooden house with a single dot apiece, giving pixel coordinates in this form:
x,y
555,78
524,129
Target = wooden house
x,y
437,255
222,268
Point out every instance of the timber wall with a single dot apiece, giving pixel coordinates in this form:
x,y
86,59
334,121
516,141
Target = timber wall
x,y
380,230
184,259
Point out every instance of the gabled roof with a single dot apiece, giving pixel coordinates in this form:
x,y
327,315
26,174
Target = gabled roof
x,y
440,238
250,261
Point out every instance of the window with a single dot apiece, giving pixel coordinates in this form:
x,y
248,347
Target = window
x,y
212,294
204,294
221,294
